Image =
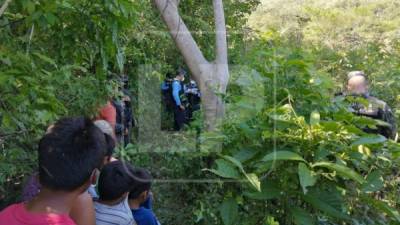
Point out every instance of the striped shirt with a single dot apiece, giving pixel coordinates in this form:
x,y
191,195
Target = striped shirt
x,y
119,214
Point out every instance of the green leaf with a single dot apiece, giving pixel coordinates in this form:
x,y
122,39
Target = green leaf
x,y
330,126
45,59
380,205
234,162
344,171
225,169
269,190
315,118
245,155
252,178
301,217
306,177
254,181
229,211
370,139
270,220
282,155
374,182
51,18
324,204
29,6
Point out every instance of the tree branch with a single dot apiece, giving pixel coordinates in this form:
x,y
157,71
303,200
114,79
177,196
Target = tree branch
x,y
4,7
183,39
221,46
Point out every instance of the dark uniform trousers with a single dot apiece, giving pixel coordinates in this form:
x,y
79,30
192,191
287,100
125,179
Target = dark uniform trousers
x,y
179,118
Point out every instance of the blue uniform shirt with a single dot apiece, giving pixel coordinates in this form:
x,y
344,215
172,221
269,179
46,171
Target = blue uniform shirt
x,y
176,89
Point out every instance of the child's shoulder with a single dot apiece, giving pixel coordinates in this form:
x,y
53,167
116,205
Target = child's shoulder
x,y
143,213
143,210
10,210
17,214
115,214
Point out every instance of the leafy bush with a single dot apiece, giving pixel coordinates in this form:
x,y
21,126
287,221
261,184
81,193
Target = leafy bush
x,y
297,157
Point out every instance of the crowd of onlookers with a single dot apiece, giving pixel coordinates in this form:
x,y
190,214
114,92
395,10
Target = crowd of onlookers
x,y
78,181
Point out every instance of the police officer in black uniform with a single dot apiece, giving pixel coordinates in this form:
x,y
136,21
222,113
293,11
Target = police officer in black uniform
x,y
193,96
361,103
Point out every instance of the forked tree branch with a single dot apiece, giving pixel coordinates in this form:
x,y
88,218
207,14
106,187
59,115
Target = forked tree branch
x,y
183,39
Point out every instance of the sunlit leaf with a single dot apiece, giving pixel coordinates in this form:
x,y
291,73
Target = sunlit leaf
x,y
344,171
370,139
282,155
306,177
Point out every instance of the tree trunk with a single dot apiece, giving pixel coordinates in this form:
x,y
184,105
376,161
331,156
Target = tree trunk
x,y
212,77
4,7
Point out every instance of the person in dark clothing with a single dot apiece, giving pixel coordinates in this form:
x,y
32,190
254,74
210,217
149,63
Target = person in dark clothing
x,y
129,121
166,93
194,98
361,103
124,113
119,124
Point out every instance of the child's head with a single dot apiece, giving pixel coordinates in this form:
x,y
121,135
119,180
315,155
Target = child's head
x,y
108,131
69,155
116,179
110,148
142,185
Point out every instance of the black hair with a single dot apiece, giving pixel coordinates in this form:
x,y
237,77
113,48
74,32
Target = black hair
x,y
110,142
143,181
116,178
69,153
169,75
181,72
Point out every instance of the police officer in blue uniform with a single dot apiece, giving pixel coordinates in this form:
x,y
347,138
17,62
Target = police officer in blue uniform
x,y
178,96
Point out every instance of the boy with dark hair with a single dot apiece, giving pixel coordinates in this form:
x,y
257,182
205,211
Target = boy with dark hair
x,y
108,157
139,195
116,179
69,155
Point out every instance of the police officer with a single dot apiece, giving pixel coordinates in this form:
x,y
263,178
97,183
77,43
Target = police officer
x,y
128,117
178,95
166,93
357,87
194,98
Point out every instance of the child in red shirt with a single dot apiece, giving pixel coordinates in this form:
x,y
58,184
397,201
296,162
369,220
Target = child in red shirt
x,y
17,214
69,156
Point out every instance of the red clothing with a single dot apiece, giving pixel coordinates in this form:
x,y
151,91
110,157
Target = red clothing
x,y
17,215
109,114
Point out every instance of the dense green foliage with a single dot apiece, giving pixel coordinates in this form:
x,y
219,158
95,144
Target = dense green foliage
x,y
337,24
61,58
285,154
303,159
